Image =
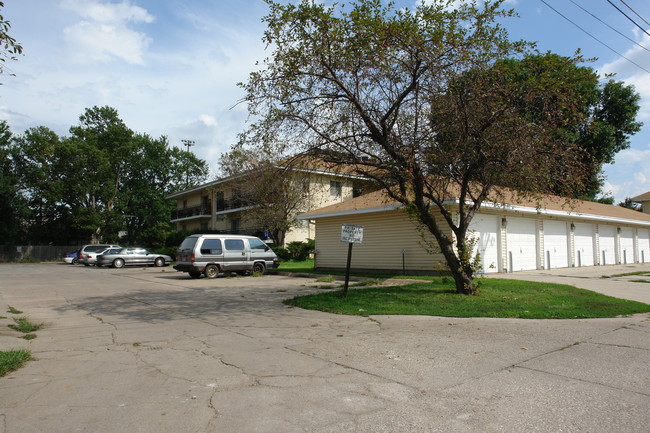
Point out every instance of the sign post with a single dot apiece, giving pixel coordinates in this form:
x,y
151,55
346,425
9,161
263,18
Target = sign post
x,y
351,234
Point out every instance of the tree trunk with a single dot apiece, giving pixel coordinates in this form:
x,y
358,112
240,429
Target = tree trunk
x,y
463,277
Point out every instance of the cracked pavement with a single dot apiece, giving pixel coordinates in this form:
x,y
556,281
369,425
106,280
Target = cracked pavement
x,y
150,350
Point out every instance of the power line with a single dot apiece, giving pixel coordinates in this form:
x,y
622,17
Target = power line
x,y
635,12
616,30
626,16
594,37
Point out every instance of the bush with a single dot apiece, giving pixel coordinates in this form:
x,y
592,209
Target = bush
x,y
282,253
300,251
170,251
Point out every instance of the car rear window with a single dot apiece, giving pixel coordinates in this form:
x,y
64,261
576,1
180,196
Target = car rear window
x,y
211,246
234,244
188,244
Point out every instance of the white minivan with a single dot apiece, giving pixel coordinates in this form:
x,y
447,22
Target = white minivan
x,y
211,255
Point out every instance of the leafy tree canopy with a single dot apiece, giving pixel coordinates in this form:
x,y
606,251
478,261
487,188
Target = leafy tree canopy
x,y
101,180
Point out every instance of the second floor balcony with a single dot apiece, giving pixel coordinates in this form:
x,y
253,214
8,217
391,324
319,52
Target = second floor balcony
x,y
204,209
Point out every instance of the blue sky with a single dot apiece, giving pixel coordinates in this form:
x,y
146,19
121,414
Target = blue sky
x,y
170,67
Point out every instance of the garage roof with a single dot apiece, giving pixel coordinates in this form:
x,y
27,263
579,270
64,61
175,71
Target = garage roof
x,y
379,201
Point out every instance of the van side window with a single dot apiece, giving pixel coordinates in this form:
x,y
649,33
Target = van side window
x,y
211,246
234,244
256,244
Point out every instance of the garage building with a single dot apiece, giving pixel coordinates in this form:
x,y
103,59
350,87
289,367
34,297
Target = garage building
x,y
510,237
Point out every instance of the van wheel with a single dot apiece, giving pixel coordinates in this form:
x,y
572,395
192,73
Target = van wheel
x,y
259,268
195,274
211,271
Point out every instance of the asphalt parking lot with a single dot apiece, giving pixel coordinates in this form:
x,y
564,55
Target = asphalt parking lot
x,y
151,350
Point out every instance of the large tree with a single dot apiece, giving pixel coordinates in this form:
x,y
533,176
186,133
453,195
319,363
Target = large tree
x,y
608,111
422,101
102,180
12,205
277,190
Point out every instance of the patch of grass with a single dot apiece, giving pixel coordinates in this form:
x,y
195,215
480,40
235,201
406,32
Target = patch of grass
x,y
326,279
12,310
640,281
12,360
297,266
498,298
29,336
627,274
25,326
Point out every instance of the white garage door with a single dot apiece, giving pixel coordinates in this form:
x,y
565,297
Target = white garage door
x,y
644,245
627,245
607,241
521,241
556,244
583,239
484,229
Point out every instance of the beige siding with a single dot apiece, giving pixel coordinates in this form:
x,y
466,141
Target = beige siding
x,y
385,235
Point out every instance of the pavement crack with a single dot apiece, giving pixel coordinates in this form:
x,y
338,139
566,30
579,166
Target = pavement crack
x,y
577,379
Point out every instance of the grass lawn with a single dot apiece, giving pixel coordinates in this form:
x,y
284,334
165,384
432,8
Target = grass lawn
x,y
13,360
497,298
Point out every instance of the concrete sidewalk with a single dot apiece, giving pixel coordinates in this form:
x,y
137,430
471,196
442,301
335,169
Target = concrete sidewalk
x,y
150,350
608,280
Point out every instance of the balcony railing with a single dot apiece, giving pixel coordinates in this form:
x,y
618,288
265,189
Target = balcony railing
x,y
190,211
223,205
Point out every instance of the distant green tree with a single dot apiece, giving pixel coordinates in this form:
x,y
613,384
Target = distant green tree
x,y
630,204
12,205
102,180
153,171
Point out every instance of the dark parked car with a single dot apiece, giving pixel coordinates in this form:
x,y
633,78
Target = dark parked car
x,y
120,257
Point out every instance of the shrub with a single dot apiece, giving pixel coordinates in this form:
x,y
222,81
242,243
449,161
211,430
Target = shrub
x,y
299,251
282,253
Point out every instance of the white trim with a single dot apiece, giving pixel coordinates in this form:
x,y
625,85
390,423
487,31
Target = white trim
x,y
351,212
509,208
190,218
239,209
561,213
237,176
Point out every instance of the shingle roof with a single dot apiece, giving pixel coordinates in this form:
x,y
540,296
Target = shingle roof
x,y
379,201
643,197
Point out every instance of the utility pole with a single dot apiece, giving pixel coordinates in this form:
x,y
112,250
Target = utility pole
x,y
188,143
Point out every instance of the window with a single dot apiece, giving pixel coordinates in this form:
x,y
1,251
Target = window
x,y
204,226
257,244
234,244
336,189
211,246
235,225
184,204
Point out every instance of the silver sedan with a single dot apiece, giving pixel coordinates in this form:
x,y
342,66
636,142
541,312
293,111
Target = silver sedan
x,y
120,257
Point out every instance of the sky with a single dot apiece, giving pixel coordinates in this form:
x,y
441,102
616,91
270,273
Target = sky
x,y
171,67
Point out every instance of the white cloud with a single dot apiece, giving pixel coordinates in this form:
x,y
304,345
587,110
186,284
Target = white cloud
x,y
104,33
108,12
632,156
208,120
